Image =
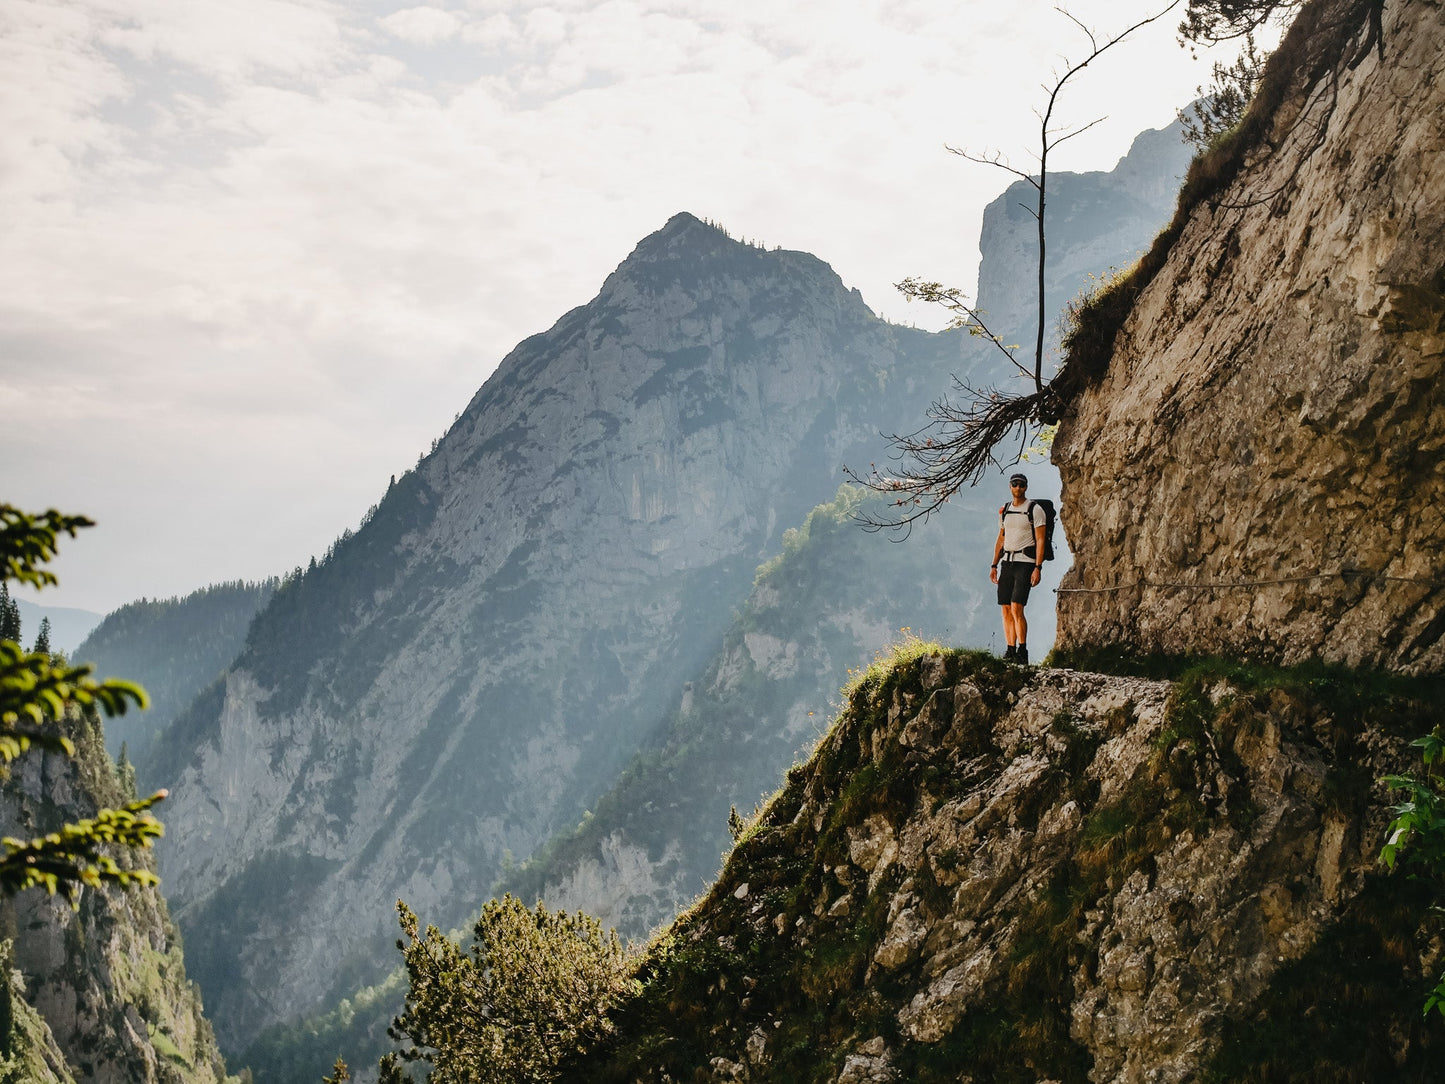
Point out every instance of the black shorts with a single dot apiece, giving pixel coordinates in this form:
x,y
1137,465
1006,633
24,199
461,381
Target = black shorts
x,y
1015,579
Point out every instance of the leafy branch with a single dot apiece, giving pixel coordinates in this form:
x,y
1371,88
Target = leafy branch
x,y
1417,831
34,688
37,691
28,541
63,861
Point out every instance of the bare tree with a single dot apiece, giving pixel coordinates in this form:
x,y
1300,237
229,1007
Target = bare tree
x,y
962,439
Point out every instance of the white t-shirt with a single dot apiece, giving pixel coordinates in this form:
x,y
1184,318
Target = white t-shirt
x,y
1018,532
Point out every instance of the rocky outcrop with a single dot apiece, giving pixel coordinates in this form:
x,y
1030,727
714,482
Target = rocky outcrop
x,y
997,874
99,994
1260,469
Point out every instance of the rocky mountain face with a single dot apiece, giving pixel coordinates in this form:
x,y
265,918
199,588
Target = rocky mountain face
x,y
97,994
987,873
472,669
1260,468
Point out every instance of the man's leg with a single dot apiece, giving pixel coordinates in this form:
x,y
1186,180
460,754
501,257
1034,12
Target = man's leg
x,y
1020,622
1010,633
1021,627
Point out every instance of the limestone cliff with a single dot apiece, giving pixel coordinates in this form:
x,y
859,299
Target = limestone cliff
x,y
1260,470
993,874
98,995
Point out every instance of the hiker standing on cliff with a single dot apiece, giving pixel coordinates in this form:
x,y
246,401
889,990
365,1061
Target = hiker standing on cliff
x,y
1017,564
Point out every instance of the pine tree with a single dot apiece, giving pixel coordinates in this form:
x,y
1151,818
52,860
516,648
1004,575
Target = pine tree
x,y
42,638
536,988
9,615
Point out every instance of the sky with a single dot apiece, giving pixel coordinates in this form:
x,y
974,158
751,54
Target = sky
x,y
256,255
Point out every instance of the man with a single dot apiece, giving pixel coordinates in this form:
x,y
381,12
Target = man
x,y
1020,548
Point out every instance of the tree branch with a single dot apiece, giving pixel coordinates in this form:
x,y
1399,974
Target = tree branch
x,y
958,443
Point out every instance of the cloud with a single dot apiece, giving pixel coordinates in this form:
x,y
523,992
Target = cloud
x,y
422,26
228,41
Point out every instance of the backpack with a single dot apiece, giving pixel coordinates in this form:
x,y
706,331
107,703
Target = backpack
x,y
1049,514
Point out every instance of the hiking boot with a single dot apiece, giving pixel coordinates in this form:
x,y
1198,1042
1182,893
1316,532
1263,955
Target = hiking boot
x,y
1021,655
1010,654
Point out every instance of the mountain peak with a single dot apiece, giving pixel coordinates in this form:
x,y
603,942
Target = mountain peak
x,y
684,233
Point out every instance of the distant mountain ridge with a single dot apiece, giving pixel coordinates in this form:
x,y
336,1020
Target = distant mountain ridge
x,y
174,648
68,626
469,672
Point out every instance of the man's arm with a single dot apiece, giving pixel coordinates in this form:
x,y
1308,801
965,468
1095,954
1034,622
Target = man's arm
x,y
997,553
1038,552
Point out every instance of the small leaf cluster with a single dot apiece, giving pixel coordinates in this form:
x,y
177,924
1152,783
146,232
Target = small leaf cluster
x,y
1417,831
1418,828
28,541
62,861
535,990
37,690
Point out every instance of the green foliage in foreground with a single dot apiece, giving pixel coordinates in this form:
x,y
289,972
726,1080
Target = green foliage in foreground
x,y
36,691
535,989
1417,831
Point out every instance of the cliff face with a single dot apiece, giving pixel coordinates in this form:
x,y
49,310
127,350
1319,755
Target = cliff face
x,y
98,995
1260,469
994,874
